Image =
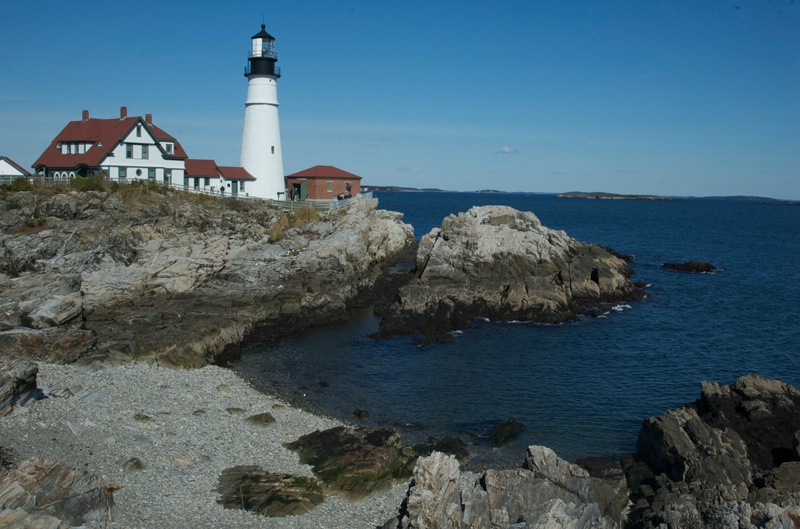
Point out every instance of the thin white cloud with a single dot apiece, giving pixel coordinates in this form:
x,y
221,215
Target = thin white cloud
x,y
507,150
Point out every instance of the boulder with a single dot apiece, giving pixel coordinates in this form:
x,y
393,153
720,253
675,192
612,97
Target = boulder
x,y
500,263
691,266
17,383
547,490
251,488
353,462
45,494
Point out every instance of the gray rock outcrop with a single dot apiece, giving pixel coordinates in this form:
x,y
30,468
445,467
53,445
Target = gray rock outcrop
x,y
49,495
116,276
546,491
729,460
500,263
17,382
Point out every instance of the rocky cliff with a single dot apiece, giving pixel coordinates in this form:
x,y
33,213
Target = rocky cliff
x,y
500,263
146,272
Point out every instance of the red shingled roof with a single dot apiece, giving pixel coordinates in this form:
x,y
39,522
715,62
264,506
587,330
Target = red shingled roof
x,y
324,171
235,173
201,168
15,165
103,134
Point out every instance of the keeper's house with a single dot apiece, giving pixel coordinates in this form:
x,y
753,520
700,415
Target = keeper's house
x,y
124,148
322,182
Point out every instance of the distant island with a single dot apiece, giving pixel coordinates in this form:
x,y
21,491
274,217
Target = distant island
x,y
610,196
602,195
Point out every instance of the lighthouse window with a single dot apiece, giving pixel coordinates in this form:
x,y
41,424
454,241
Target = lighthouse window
x,y
273,149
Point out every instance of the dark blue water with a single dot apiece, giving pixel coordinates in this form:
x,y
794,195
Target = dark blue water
x,y
580,388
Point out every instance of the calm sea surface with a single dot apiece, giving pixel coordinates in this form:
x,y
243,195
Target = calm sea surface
x,y
581,388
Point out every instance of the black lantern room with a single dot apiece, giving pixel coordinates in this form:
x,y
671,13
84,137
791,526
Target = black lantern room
x,y
262,55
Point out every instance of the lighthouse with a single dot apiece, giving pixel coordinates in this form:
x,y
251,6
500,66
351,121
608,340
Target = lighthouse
x,y
261,138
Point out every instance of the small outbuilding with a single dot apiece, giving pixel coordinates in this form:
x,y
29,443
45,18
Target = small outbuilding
x,y
11,170
322,182
207,176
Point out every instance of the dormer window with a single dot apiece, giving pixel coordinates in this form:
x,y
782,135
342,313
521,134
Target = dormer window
x,y
168,148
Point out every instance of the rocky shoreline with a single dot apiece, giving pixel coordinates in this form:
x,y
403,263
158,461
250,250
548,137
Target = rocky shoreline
x,y
157,442
119,283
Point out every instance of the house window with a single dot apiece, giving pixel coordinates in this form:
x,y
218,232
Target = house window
x,y
151,173
167,176
207,182
145,152
128,151
138,172
123,173
329,186
139,130
241,186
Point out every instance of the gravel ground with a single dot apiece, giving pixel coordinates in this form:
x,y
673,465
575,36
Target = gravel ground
x,y
187,426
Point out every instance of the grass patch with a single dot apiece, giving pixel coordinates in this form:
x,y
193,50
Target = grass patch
x,y
287,220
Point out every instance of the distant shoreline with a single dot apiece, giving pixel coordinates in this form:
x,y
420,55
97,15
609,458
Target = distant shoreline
x,y
596,195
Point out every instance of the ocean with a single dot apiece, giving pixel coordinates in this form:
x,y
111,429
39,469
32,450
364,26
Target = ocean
x,y
581,388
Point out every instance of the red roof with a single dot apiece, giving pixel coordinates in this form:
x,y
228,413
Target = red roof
x,y
103,135
324,171
15,165
235,173
201,168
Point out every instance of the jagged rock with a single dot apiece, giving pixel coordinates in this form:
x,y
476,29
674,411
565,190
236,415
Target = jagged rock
x,y
727,460
17,383
500,263
548,491
174,279
434,499
251,488
691,266
353,462
45,494
557,514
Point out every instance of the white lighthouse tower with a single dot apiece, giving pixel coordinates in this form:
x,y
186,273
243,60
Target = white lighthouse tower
x,y
261,138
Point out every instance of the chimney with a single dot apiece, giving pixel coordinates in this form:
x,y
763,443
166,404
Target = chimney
x,y
85,115
148,118
123,112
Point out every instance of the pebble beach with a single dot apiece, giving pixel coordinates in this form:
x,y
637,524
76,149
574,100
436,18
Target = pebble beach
x,y
186,427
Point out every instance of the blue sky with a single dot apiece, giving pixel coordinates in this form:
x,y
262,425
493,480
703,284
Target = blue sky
x,y
639,96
